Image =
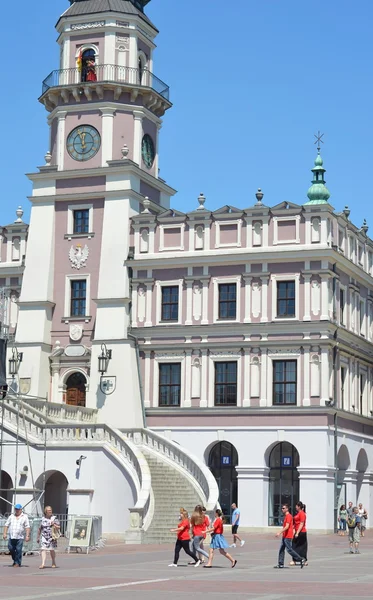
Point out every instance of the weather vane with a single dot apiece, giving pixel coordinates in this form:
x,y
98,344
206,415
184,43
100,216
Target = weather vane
x,y
319,140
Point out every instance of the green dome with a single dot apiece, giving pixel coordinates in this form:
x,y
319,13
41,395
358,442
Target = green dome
x,y
318,193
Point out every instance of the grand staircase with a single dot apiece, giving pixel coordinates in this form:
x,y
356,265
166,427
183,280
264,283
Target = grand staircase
x,y
165,475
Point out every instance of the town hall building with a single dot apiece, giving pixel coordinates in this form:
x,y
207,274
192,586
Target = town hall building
x,y
225,355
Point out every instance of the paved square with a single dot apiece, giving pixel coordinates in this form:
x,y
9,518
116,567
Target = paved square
x,y
141,573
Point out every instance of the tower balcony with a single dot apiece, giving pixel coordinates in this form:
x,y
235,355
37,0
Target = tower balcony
x,y
69,85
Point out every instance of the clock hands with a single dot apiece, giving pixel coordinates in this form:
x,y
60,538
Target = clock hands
x,y
82,138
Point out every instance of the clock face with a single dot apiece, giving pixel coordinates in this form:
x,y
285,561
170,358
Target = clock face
x,y
83,142
148,152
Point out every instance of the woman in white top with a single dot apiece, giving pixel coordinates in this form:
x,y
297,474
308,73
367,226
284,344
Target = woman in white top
x,y
363,515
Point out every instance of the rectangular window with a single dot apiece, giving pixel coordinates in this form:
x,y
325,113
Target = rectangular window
x,y
341,306
225,383
286,299
361,396
284,382
170,303
343,379
169,384
78,297
227,300
81,221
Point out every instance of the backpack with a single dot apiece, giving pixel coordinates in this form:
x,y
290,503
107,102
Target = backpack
x,y
351,521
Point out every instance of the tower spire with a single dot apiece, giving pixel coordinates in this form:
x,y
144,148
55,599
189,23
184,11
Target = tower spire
x,y
318,193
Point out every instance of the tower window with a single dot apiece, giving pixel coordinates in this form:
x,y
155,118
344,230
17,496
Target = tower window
x,y
81,221
89,65
78,297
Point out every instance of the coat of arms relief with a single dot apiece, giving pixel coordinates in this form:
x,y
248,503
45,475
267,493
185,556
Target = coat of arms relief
x,y
78,256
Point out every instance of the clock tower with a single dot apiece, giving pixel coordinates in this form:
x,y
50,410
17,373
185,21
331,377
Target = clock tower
x,y
105,106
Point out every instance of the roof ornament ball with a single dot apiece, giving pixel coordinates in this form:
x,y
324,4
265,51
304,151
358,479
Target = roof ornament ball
x,y
19,213
201,200
48,158
146,204
364,227
259,196
346,212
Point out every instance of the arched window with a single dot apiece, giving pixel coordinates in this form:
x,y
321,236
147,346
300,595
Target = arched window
x,y
76,389
89,65
283,480
223,460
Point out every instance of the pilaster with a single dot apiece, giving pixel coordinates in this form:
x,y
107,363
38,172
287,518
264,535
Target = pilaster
x,y
264,280
253,488
137,135
307,297
316,487
107,115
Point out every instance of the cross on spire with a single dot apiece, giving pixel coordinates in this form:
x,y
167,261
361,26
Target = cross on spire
x,y
319,140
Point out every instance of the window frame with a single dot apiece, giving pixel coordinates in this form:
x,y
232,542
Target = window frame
x,y
158,290
80,299
342,310
227,302
217,365
170,384
216,282
84,219
70,220
284,382
288,277
287,299
67,303
170,303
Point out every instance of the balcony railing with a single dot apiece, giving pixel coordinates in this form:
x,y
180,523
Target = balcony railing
x,y
107,74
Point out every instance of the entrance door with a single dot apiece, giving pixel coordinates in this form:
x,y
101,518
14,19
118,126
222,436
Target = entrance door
x,y
76,389
223,460
283,480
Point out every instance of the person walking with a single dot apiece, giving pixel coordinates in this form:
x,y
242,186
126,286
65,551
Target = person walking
x,y
183,540
363,516
18,527
300,542
287,533
236,514
218,541
207,525
198,522
353,524
47,534
350,509
342,519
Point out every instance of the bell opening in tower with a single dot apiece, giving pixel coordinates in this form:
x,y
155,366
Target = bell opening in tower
x,y
88,72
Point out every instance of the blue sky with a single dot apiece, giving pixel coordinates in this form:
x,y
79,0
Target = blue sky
x,y
251,83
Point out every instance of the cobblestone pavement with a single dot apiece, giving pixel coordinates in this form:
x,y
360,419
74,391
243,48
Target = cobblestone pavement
x,y
142,573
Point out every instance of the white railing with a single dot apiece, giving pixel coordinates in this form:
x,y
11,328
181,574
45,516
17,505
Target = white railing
x,y
56,412
23,419
198,471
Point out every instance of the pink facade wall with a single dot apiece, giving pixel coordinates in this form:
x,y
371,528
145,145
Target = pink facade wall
x,y
150,192
60,329
286,230
172,237
80,185
73,120
228,234
173,419
123,134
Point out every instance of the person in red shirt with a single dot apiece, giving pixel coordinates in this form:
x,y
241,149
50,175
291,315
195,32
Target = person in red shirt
x,y
218,540
300,543
287,533
183,540
199,523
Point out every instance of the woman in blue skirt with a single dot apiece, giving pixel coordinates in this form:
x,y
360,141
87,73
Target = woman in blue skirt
x,y
218,541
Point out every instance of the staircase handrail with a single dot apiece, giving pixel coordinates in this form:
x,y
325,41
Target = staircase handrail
x,y
179,455
62,412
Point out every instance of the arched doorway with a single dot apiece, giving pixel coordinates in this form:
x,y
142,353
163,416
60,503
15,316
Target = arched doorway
x,y
6,493
223,459
89,65
55,495
283,480
76,389
343,464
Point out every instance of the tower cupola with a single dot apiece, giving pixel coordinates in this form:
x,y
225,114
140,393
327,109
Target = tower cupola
x,y
318,193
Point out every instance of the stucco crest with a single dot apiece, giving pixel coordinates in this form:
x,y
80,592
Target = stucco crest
x,y
78,256
92,25
76,332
